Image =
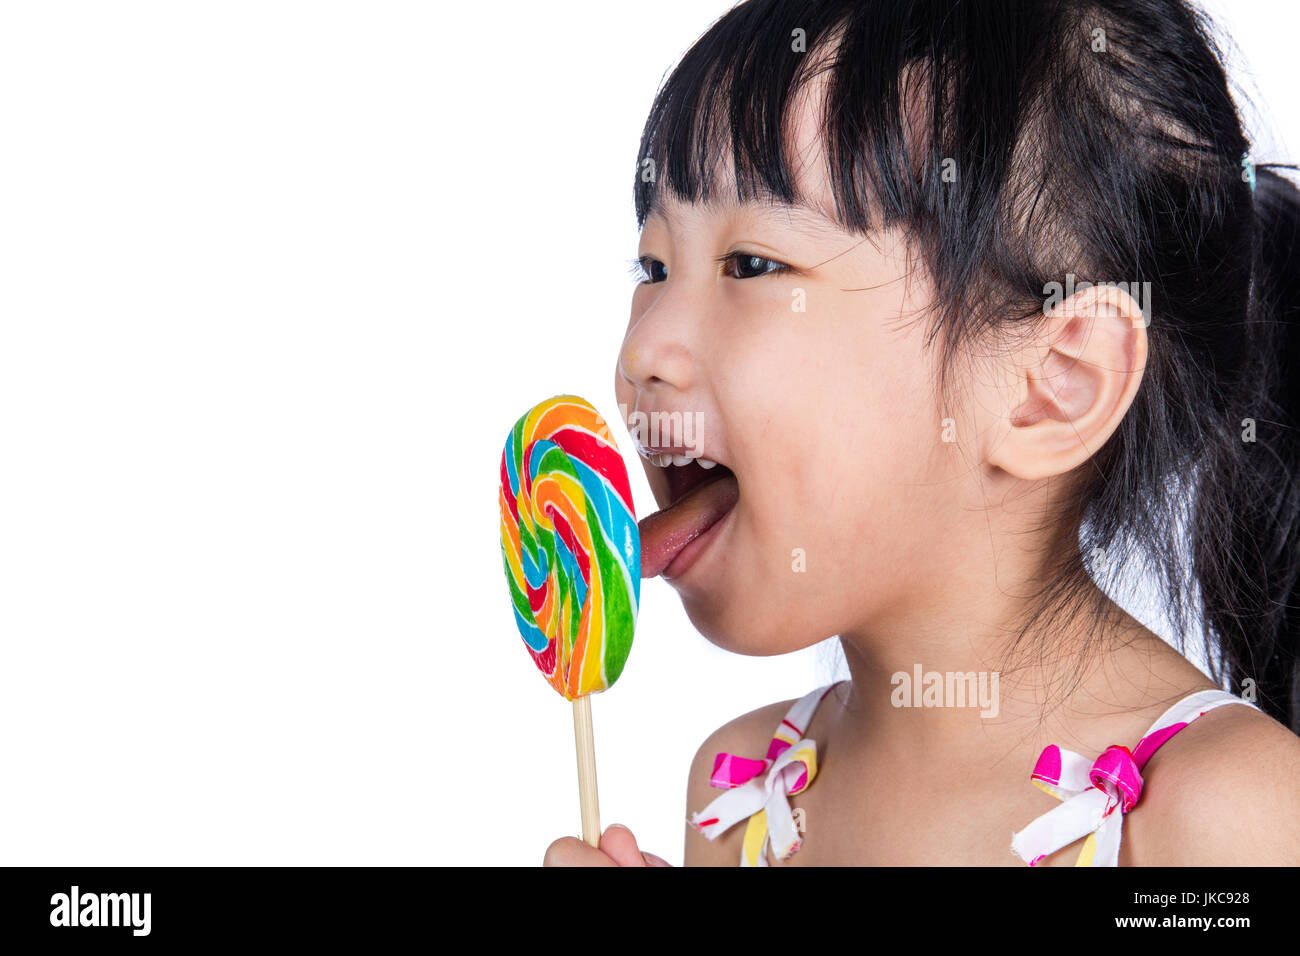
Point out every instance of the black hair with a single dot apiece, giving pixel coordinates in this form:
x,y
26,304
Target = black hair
x,y
1019,142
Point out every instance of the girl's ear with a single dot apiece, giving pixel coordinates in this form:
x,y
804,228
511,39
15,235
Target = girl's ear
x,y
1074,382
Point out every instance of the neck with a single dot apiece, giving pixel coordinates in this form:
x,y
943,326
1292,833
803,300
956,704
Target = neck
x,y
984,696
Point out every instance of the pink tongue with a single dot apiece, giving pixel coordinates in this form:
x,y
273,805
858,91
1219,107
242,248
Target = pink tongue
x,y
666,532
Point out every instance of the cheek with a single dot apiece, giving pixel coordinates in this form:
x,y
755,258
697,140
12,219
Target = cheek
x,y
847,418
852,475
840,445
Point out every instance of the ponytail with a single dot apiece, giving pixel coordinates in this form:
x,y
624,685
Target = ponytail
x,y
1248,560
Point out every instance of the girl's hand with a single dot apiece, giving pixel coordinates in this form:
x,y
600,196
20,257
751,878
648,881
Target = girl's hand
x,y
617,848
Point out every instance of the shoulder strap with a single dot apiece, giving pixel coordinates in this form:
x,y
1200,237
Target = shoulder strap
x,y
795,723
1179,716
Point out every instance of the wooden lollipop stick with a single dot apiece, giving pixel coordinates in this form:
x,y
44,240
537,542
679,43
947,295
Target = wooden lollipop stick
x,y
586,745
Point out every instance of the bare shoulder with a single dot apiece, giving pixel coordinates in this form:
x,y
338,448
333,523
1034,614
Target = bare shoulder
x,y
747,735
1223,792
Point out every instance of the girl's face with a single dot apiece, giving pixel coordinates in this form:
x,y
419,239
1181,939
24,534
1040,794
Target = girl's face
x,y
802,353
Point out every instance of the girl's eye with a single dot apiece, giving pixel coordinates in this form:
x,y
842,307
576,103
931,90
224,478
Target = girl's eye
x,y
736,265
743,265
648,270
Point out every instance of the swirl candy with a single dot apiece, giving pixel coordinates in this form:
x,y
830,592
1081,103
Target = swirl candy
x,y
571,546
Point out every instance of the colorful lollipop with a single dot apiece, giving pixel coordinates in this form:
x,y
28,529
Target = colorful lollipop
x,y
572,559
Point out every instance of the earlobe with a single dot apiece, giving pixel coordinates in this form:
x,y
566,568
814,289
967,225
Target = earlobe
x,y
1074,384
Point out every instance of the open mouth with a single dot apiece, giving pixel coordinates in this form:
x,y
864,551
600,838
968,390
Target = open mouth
x,y
698,498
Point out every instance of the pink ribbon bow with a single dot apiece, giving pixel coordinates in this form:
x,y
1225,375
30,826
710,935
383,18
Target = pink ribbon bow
x,y
1090,792
730,771
758,790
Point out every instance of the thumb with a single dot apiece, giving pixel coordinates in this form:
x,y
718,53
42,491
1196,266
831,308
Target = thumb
x,y
618,843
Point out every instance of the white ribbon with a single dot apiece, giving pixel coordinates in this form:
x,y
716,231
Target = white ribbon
x,y
1085,811
768,791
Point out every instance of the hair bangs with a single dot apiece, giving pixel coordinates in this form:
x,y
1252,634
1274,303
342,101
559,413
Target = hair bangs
x,y
723,119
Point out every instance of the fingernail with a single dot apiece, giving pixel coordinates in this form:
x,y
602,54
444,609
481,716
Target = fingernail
x,y
619,825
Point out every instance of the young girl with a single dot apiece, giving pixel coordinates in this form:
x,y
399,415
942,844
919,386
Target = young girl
x,y
970,302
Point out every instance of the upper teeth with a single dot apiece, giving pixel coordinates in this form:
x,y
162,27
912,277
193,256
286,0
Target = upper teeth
x,y
667,458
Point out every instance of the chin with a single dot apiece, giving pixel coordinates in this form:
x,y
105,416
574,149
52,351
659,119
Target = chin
x,y
723,623
740,626
705,617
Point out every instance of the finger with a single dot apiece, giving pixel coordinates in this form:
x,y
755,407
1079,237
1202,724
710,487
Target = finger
x,y
620,845
652,860
570,851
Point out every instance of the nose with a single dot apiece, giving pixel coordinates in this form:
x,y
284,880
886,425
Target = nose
x,y
659,348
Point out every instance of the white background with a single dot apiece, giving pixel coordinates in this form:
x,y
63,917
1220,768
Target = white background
x,y
275,280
